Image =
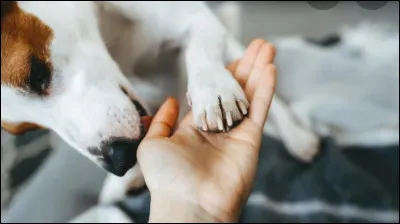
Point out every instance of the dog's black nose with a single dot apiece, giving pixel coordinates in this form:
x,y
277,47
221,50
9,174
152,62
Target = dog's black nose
x,y
120,155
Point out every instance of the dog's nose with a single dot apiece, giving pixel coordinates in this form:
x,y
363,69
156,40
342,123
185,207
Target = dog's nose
x,y
120,156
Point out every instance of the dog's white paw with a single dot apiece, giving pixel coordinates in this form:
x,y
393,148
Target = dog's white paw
x,y
303,145
219,104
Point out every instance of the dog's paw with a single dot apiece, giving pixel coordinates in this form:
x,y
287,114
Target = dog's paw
x,y
303,145
218,105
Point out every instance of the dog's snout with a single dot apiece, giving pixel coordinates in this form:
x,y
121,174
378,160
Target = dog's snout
x,y
120,156
139,107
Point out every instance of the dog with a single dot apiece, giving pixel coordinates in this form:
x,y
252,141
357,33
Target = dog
x,y
65,66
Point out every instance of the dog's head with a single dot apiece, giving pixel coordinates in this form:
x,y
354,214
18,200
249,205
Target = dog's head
x,y
56,73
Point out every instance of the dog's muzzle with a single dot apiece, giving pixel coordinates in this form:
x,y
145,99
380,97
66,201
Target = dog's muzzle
x,y
119,155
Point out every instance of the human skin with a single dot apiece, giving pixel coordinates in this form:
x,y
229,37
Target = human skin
x,y
195,176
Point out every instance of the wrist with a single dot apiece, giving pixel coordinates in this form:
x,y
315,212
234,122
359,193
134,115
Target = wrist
x,y
173,209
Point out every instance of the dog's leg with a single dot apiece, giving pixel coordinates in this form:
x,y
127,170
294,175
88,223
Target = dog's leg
x,y
116,188
217,99
300,142
209,82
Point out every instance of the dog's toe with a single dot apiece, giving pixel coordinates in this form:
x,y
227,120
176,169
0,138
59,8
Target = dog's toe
x,y
218,102
220,114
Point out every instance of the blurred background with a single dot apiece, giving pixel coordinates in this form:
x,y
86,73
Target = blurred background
x,y
43,180
270,19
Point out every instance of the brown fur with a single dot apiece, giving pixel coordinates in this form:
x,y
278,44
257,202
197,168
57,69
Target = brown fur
x,y
22,35
19,128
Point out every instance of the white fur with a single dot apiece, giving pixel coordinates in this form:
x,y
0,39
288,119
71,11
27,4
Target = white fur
x,y
115,188
102,214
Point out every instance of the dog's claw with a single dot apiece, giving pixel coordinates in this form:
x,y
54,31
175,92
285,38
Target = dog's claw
x,y
220,123
223,104
204,122
243,108
189,99
229,121
222,116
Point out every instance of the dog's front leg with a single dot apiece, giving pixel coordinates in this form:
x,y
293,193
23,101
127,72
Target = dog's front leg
x,y
117,188
218,101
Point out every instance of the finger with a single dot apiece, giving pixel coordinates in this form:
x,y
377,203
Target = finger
x,y
265,56
246,63
164,121
263,94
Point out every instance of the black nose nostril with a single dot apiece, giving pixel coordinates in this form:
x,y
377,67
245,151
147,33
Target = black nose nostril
x,y
140,108
120,156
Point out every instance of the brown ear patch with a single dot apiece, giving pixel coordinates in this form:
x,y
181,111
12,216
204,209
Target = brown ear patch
x,y
23,36
19,128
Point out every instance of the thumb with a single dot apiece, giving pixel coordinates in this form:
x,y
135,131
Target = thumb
x,y
165,119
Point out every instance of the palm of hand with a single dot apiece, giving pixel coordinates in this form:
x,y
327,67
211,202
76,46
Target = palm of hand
x,y
215,171
208,169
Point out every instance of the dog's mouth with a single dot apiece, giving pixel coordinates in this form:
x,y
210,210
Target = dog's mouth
x,y
120,156
146,120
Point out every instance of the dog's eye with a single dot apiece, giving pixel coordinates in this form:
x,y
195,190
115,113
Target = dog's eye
x,y
39,76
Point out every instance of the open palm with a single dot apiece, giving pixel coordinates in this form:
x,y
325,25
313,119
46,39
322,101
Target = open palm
x,y
213,171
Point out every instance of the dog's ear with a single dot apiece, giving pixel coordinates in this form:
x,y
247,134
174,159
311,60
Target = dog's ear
x,y
19,128
7,6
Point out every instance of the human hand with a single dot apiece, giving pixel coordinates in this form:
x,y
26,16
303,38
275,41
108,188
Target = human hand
x,y
198,176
